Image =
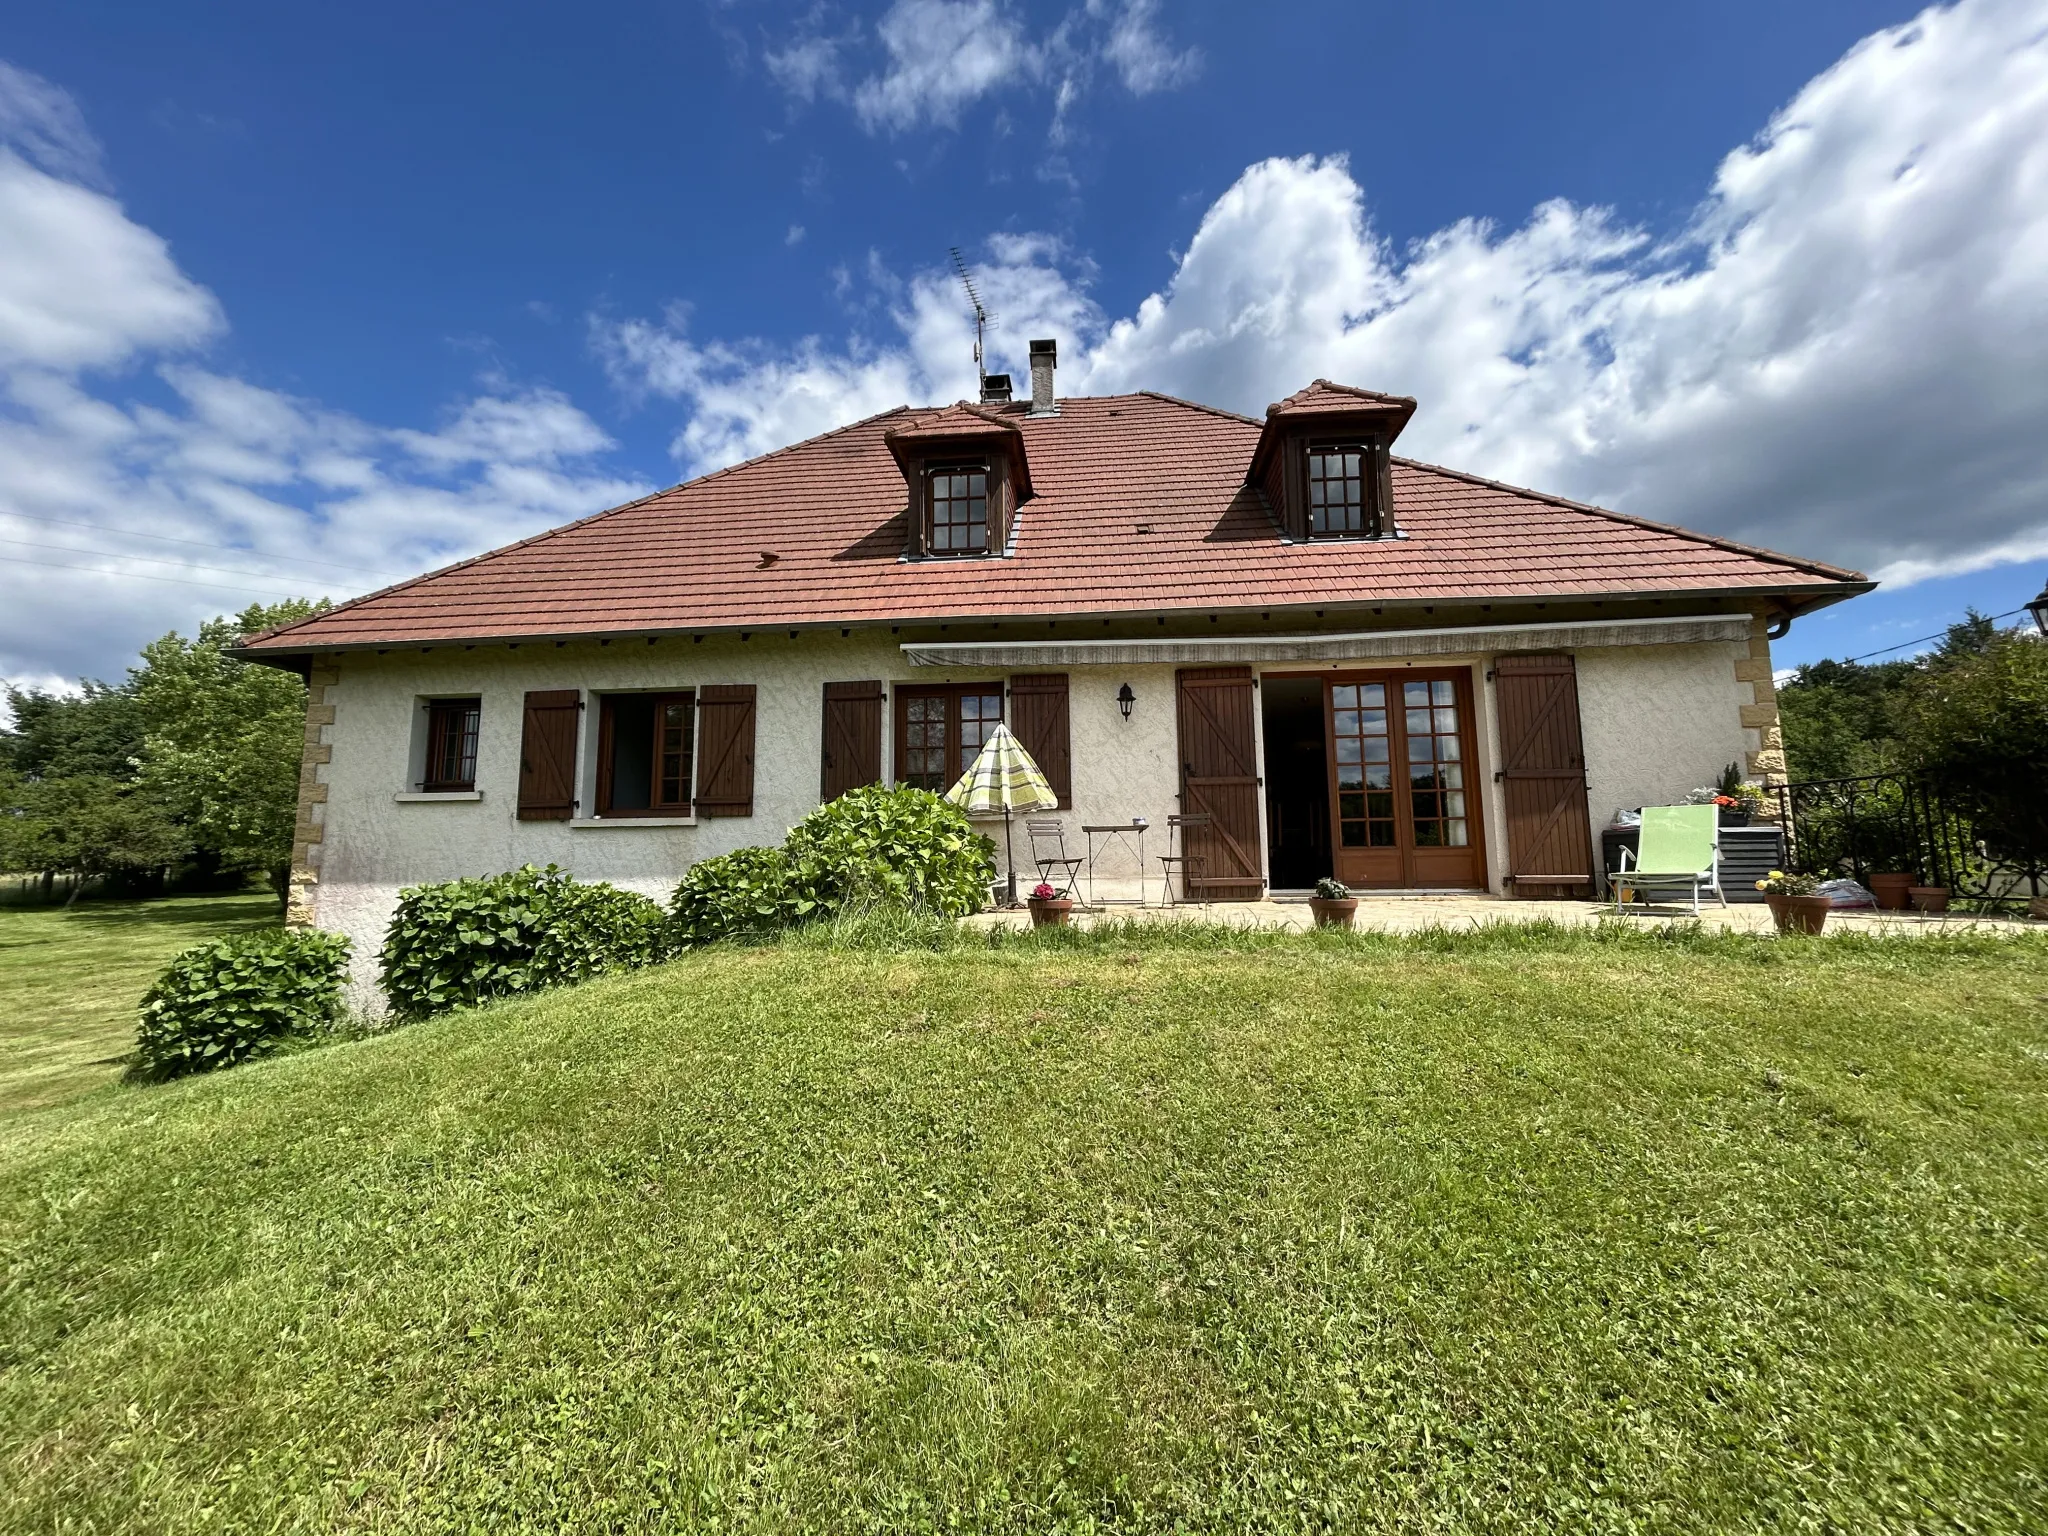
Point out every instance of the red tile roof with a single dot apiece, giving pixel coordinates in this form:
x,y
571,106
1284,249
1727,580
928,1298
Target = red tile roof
x,y
1141,507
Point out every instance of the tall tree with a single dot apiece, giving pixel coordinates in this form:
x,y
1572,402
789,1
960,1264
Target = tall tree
x,y
97,730
222,739
1975,722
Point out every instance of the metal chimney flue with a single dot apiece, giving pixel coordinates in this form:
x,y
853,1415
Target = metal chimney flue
x,y
995,389
1045,357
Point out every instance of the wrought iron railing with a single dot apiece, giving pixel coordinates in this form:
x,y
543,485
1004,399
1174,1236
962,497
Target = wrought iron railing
x,y
1897,821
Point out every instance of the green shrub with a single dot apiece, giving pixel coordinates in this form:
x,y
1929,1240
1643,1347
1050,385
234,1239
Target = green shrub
x,y
747,891
466,941
897,847
225,1000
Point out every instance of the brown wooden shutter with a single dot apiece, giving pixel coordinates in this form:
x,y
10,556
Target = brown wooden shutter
x,y
1543,775
725,750
1219,779
1038,715
853,738
1383,524
547,756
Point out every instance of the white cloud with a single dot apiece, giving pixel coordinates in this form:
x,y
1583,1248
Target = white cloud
x,y
44,124
1839,355
943,56
132,508
1143,58
747,398
937,58
81,286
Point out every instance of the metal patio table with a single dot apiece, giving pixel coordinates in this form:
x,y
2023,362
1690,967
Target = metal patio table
x,y
1134,828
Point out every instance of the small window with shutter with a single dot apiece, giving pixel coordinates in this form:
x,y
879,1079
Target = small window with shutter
x,y
452,727
646,754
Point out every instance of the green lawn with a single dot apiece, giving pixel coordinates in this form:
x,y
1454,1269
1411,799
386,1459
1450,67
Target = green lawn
x,y
70,979
1144,1233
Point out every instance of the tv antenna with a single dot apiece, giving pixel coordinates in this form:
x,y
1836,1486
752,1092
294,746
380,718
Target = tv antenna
x,y
983,320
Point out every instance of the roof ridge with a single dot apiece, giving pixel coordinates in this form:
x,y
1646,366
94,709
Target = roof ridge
x,y
1193,405
555,532
1734,546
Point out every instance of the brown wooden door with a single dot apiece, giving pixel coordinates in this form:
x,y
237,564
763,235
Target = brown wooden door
x,y
1403,810
1220,780
1543,776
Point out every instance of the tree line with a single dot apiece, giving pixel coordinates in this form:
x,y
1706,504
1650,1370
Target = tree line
x,y
184,774
1969,717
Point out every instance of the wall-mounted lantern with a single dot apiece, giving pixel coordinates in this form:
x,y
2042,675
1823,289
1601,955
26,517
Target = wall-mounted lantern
x,y
1125,699
2038,608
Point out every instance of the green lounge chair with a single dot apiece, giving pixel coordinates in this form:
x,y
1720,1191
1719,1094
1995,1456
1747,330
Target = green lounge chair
x,y
1679,850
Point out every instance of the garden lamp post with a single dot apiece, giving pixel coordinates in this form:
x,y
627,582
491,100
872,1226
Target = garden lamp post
x,y
2039,609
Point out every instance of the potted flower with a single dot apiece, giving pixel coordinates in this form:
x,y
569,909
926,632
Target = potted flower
x,y
1049,909
1333,904
1794,907
1929,898
1731,808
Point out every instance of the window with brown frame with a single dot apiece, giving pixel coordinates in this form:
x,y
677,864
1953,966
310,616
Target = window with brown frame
x,y
956,509
451,746
1340,478
646,754
940,728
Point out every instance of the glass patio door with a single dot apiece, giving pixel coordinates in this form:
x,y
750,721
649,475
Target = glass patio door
x,y
1402,811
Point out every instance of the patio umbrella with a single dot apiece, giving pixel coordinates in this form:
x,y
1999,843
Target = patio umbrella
x,y
1003,778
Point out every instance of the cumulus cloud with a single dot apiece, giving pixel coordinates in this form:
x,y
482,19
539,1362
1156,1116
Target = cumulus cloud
x,y
1838,353
141,490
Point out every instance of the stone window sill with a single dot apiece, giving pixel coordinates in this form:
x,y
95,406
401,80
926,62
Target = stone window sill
x,y
437,797
592,823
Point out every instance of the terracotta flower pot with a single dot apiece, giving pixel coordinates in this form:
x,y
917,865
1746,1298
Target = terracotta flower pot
x,y
2038,908
1049,914
1930,898
1337,913
1798,914
1890,887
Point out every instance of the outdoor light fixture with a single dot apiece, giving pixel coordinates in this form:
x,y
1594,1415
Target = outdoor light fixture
x,y
2038,608
1125,698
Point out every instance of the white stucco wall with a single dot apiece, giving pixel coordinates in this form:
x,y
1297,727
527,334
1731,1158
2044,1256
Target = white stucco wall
x,y
1658,719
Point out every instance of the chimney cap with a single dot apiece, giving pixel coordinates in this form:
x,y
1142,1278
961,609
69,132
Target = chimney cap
x,y
1047,348
995,389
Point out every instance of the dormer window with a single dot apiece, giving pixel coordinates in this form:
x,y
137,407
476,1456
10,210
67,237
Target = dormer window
x,y
956,501
1337,490
1324,463
966,474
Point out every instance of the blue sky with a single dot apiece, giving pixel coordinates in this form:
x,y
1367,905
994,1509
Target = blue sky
x,y
381,286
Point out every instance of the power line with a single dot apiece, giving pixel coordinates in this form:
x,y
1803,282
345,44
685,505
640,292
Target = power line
x,y
1904,644
183,565
95,570
137,533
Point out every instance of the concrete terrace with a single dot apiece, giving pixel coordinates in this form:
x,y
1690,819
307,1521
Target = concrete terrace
x,y
1411,914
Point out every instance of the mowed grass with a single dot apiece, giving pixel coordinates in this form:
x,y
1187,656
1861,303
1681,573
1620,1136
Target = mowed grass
x,y
70,978
1147,1232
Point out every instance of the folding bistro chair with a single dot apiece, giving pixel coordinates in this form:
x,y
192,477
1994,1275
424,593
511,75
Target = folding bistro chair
x,y
1049,852
1177,858
1679,849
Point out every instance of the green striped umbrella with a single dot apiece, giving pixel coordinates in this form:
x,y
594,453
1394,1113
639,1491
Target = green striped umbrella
x,y
1003,778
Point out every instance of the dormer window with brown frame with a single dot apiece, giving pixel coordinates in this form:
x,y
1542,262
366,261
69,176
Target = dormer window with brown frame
x,y
1340,484
966,474
1324,463
956,509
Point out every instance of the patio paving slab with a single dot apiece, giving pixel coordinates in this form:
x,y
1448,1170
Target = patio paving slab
x,y
1411,914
